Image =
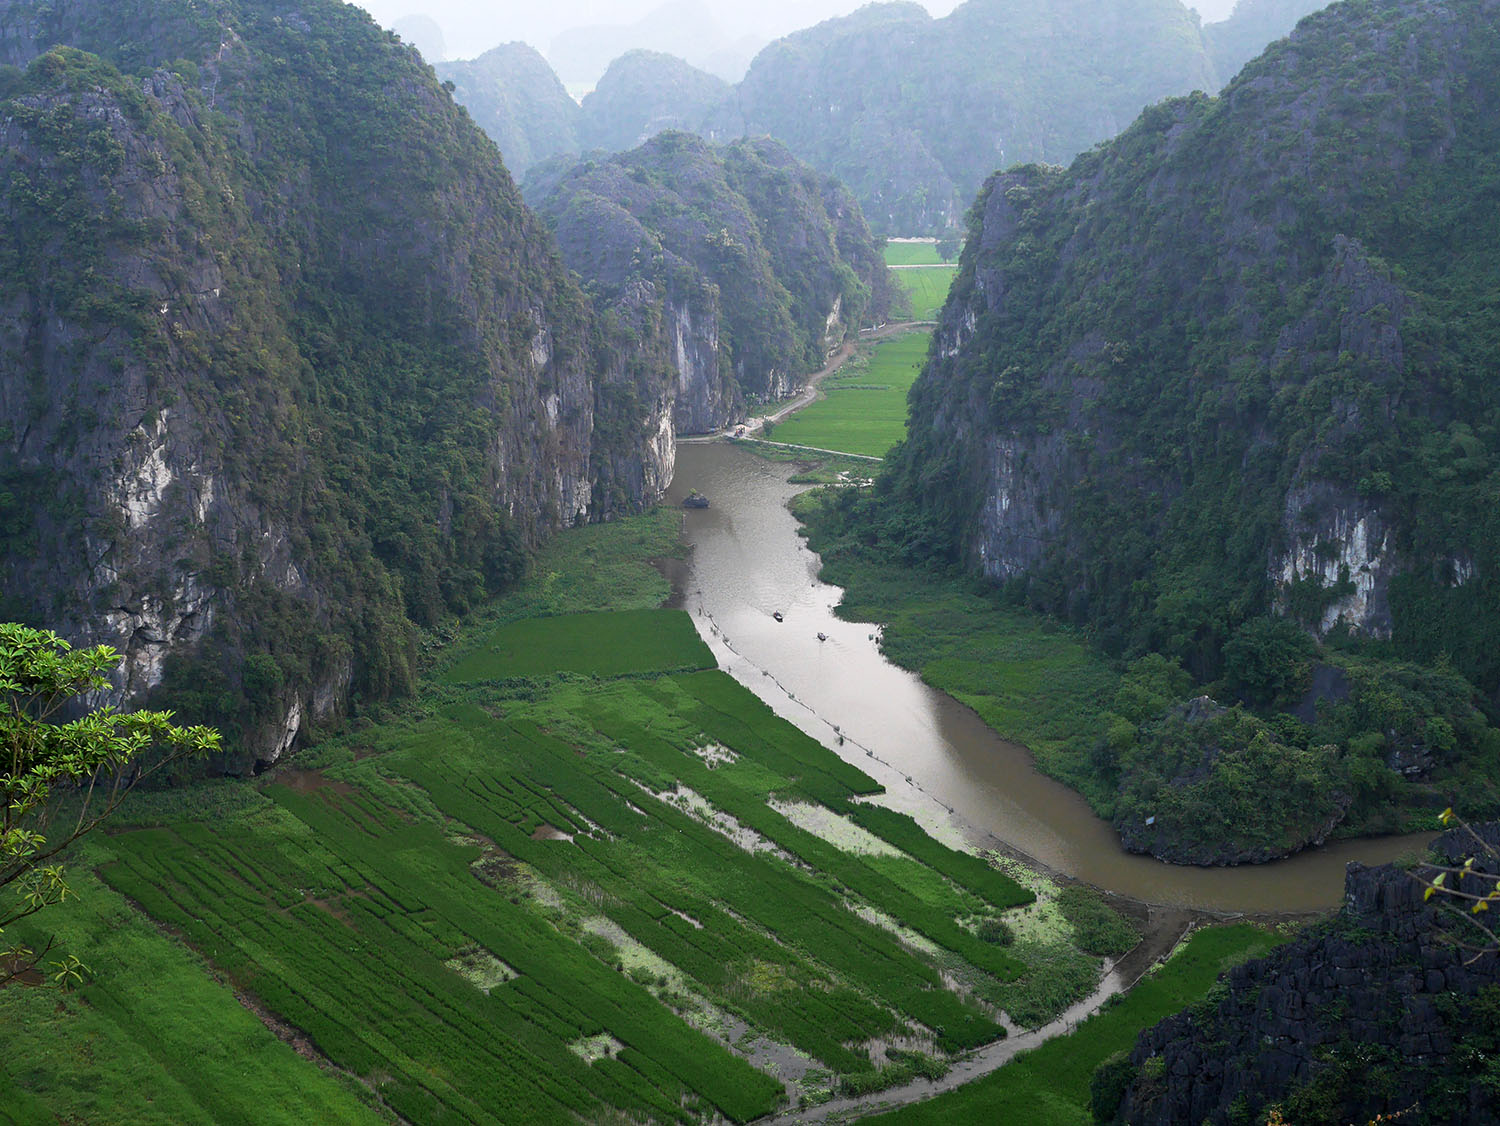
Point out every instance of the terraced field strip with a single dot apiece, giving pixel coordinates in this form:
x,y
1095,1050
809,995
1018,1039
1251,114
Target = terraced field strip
x,y
453,920
603,644
921,252
863,409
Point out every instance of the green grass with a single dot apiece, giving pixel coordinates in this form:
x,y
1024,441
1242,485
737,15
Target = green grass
x,y
350,906
1032,680
1050,1086
863,408
150,1037
601,644
912,254
927,288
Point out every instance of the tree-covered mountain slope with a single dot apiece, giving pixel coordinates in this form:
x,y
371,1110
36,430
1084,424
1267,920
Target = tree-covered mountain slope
x,y
515,97
644,93
748,266
913,112
1236,370
287,369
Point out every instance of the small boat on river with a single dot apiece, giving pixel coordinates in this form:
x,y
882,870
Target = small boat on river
x,y
778,616
695,499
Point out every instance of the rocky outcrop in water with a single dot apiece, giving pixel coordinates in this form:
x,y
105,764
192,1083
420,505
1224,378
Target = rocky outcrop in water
x,y
288,370
1378,1011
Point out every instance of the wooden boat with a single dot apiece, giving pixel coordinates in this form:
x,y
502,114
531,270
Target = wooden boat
x,y
695,499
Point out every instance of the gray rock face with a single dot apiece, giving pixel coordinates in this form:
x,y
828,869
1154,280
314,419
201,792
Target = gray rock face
x,y
270,403
1374,1006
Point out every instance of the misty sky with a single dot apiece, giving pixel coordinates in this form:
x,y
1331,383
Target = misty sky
x,y
473,26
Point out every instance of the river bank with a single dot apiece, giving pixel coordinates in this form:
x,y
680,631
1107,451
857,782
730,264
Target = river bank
x,y
936,757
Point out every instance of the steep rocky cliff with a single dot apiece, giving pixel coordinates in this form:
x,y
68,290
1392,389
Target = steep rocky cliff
x,y
287,369
516,98
1221,394
1235,360
743,266
1379,1011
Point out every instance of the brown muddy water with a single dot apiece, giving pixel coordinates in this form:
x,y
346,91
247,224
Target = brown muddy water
x,y
936,758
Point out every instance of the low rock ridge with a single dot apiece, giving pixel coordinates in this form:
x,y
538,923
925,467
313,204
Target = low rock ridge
x,y
1384,1009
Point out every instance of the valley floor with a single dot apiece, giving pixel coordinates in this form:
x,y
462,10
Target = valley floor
x,y
584,875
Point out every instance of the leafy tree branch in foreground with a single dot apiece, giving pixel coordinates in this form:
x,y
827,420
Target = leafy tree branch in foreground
x,y
62,777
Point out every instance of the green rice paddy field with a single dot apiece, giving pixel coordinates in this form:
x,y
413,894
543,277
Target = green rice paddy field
x,y
863,408
928,289
912,254
582,877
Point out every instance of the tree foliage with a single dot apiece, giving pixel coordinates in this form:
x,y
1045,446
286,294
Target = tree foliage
x,y
63,777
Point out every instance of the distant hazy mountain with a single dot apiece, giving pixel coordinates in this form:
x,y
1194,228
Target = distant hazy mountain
x,y
514,96
685,28
1253,25
645,93
913,113
425,34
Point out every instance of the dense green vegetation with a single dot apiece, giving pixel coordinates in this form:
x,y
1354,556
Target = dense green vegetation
x,y
861,409
150,1035
1224,785
1051,1086
606,644
1172,436
552,892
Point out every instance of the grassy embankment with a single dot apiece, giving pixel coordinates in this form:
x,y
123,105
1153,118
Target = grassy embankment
x,y
554,885
863,408
1050,1085
1032,680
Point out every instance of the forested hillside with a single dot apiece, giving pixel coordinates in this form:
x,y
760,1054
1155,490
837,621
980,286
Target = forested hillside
x,y
288,371
1225,387
645,93
747,266
1254,23
913,113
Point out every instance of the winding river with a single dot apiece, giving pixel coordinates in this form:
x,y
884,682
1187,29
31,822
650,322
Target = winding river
x,y
935,757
